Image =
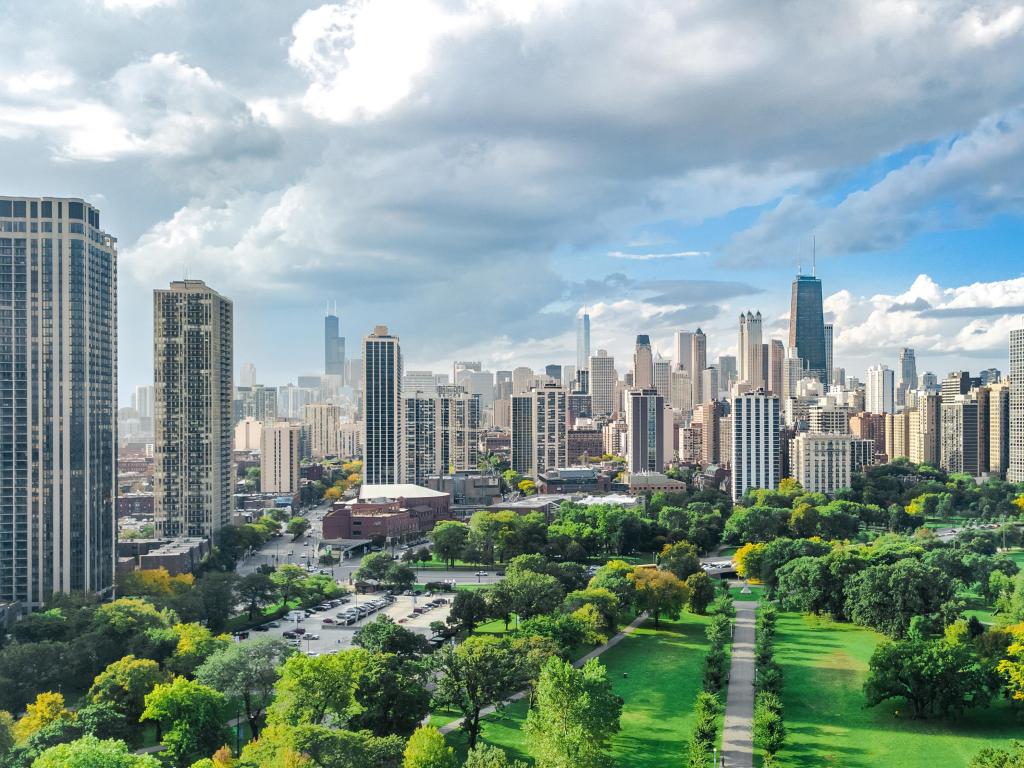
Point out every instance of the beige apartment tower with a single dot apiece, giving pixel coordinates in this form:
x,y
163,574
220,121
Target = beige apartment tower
x,y
279,458
322,422
192,374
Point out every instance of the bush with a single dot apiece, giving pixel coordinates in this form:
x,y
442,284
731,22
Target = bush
x,y
714,670
769,730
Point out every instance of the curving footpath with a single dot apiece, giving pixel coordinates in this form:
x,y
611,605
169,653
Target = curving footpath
x,y
612,642
737,732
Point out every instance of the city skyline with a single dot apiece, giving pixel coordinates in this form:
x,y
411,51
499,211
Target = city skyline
x,y
235,167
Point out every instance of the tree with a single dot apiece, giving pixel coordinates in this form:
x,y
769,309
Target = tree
x,y
614,576
428,749
701,590
769,729
527,487
246,671
195,644
659,592
90,752
748,561
47,708
574,716
469,608
448,539
124,685
216,593
933,676
374,567
392,696
533,593
311,688
705,729
383,635
297,527
399,576
289,580
6,734
603,600
477,673
256,590
680,559
886,597
756,524
486,756
191,715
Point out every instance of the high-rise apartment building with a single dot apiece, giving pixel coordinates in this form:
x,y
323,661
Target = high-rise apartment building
x,y
925,429
334,346
709,384
142,401
698,362
726,372
247,378
710,415
756,442
750,351
582,339
821,462
776,362
1015,472
643,363
959,436
523,379
645,420
248,435
663,377
322,423
279,458
682,344
829,358
956,383
442,434
58,399
792,372
807,325
382,408
418,381
192,370
999,428
878,393
260,403
908,375
602,383
681,395
539,428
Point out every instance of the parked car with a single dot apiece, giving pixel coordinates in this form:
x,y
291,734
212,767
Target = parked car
x,y
327,620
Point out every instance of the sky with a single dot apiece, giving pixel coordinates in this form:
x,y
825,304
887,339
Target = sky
x,y
470,173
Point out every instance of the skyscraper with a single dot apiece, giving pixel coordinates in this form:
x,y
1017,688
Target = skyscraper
x,y
663,376
698,362
807,325
442,432
334,345
192,372
776,362
756,442
382,408
645,418
248,376
582,340
553,372
1015,472
908,375
142,401
279,458
750,351
878,393
322,423
602,383
683,349
539,429
643,363
726,371
829,361
58,399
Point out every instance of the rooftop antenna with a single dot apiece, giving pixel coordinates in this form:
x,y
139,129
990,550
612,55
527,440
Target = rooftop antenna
x,y
814,256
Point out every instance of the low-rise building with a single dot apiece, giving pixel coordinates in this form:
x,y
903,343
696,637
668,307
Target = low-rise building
x,y
389,510
574,480
472,489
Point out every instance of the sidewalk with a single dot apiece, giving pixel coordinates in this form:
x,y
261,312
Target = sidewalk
x,y
737,732
612,642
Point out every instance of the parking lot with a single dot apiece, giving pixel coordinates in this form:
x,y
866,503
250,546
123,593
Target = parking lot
x,y
322,636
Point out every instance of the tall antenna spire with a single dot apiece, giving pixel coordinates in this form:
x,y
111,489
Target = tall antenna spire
x,y
814,256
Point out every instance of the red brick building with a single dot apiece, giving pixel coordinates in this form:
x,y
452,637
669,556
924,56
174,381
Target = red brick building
x,y
394,511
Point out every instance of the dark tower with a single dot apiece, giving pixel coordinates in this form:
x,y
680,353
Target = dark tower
x,y
807,326
334,345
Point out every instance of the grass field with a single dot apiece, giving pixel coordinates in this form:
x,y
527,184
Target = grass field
x,y
664,672
827,724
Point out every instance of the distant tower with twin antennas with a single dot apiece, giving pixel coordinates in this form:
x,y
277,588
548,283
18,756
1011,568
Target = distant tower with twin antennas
x,y
334,343
807,321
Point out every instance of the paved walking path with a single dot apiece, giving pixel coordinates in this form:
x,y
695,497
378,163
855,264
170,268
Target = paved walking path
x,y
737,732
612,642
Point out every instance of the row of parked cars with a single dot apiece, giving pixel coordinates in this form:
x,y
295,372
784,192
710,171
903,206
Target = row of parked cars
x,y
360,611
437,602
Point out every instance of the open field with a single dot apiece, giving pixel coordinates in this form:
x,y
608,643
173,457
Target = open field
x,y
827,724
657,673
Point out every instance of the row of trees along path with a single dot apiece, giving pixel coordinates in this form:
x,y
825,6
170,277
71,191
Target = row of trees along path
x,y
612,641
737,731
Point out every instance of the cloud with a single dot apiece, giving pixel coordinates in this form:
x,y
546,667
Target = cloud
x,y
136,6
656,256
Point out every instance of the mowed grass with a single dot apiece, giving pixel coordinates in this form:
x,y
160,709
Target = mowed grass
x,y
658,673
827,723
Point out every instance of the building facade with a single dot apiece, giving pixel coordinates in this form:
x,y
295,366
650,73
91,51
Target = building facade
x,y
539,431
382,408
822,463
602,383
756,442
807,326
192,370
322,423
1015,471
58,399
645,417
279,458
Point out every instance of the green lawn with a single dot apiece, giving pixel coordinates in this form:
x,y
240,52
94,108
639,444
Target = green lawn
x,y
827,724
664,672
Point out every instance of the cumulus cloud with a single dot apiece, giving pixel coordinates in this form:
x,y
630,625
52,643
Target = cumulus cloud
x,y
656,256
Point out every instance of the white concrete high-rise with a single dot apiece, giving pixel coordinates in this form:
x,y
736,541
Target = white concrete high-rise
x,y
322,423
683,350
192,371
663,376
879,390
142,401
382,408
58,400
248,435
750,352
822,463
418,381
279,458
1015,472
522,379
247,378
698,362
776,363
756,442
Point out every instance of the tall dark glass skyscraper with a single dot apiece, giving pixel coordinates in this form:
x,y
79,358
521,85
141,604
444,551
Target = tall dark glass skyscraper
x,y
58,399
807,326
334,346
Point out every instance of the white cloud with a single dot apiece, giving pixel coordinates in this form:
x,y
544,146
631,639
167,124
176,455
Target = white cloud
x,y
656,256
136,6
